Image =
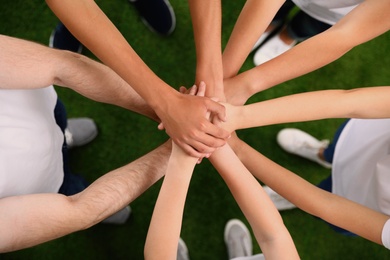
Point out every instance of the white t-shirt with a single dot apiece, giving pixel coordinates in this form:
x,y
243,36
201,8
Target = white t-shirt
x,y
327,11
361,164
30,142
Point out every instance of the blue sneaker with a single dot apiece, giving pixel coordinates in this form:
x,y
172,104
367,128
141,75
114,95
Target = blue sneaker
x,y
157,15
62,39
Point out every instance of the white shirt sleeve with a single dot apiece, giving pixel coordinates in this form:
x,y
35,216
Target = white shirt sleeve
x,y
386,234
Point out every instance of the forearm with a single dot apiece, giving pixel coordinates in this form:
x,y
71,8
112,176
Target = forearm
x,y
300,60
252,22
370,102
206,20
98,82
332,208
266,222
165,225
37,218
29,65
91,26
323,48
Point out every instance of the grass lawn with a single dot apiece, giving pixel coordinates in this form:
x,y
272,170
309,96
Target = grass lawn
x,y
125,136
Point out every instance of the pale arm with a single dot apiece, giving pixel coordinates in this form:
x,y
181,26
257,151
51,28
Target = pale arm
x,y
254,18
29,65
193,133
164,230
370,102
334,209
38,218
271,234
315,52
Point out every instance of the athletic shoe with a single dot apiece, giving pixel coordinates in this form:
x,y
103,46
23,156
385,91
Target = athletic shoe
x,y
80,131
62,39
157,15
266,35
279,202
118,218
271,49
300,143
238,240
182,251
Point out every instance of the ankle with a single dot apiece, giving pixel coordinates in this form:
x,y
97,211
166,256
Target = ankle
x,y
320,154
285,37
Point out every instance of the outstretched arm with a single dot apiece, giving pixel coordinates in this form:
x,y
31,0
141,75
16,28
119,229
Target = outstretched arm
x,y
183,116
334,209
164,230
370,102
315,52
29,65
206,21
38,218
271,234
251,23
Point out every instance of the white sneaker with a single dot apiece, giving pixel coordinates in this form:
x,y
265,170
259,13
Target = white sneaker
x,y
182,250
80,131
279,202
238,239
272,48
262,38
119,217
275,28
301,143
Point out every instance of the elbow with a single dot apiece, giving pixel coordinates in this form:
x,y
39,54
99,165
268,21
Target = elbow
x,y
84,214
68,69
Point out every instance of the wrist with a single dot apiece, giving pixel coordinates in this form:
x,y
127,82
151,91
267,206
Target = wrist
x,y
212,75
160,101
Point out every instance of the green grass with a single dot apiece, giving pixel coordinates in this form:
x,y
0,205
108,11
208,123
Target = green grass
x,y
125,136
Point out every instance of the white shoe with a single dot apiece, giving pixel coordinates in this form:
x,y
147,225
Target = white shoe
x,y
301,143
182,250
262,38
80,131
238,239
271,49
119,217
279,202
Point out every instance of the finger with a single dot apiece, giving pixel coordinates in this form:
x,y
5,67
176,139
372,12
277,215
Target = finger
x,y
201,89
161,126
199,161
193,90
207,142
218,135
217,109
190,150
204,143
182,90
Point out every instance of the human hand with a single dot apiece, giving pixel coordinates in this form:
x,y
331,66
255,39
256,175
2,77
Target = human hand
x,y
233,115
188,125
